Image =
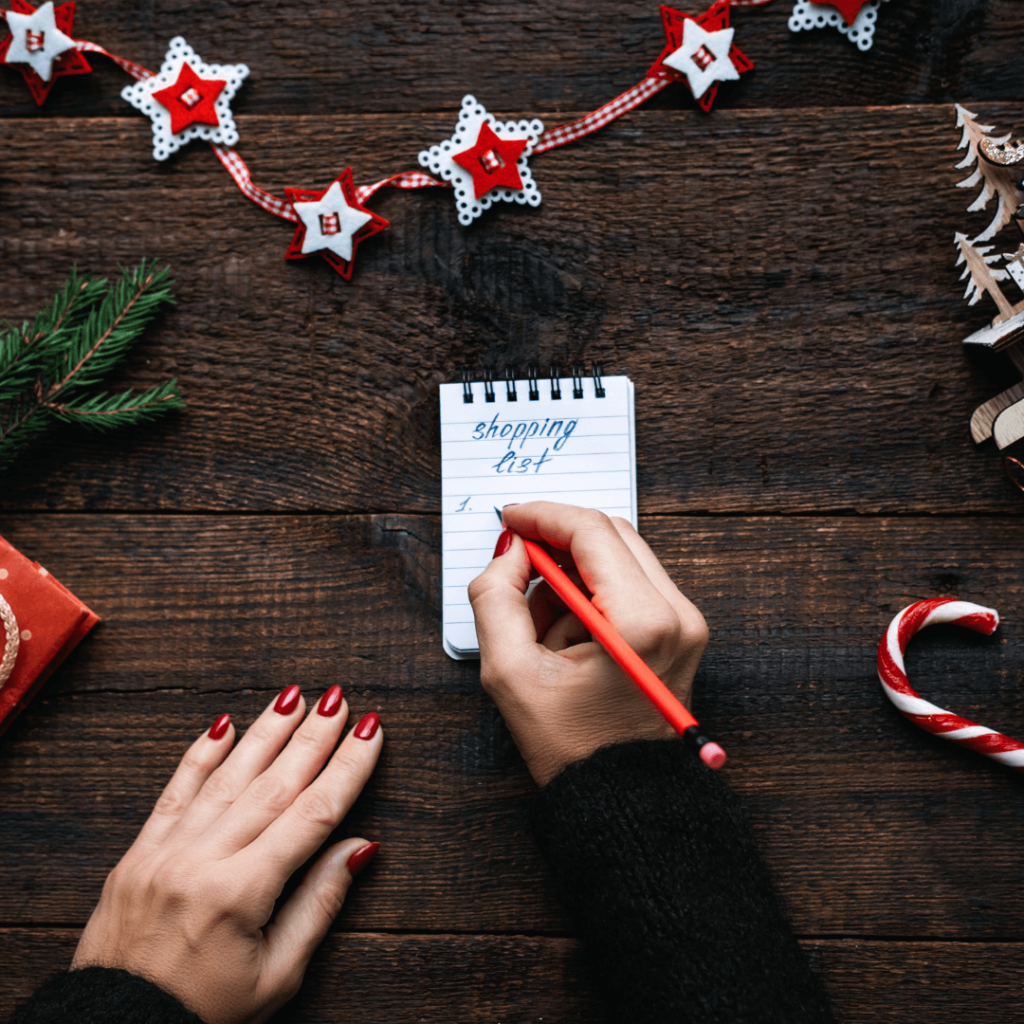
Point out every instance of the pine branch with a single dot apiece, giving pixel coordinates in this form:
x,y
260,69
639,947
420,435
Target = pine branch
x,y
103,412
26,352
109,332
18,436
74,343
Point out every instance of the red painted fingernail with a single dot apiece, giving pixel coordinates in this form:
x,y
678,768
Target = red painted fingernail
x,y
367,727
288,701
504,542
362,857
219,727
330,702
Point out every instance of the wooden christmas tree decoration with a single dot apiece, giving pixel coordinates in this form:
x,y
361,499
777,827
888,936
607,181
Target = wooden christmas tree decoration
x,y
998,169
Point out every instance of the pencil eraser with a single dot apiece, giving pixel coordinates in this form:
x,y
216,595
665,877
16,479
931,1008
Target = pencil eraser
x,y
712,755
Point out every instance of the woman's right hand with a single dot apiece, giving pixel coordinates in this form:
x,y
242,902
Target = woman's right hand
x,y
559,691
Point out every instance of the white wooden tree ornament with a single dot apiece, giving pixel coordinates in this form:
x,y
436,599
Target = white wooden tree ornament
x,y
999,170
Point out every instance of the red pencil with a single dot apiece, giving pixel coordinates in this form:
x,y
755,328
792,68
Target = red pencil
x,y
628,660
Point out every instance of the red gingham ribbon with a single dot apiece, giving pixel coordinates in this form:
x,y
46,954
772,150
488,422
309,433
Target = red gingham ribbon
x,y
137,71
235,166
928,716
407,179
603,115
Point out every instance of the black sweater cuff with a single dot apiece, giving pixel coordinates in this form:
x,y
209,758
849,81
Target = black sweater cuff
x,y
661,873
101,995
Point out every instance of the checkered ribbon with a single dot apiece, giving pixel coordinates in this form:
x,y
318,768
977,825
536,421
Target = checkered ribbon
x,y
603,115
235,166
137,71
407,179
933,719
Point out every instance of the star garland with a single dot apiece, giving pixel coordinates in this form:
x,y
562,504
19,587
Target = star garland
x,y
483,162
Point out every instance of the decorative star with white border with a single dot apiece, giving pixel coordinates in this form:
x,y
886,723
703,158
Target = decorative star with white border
x,y
700,51
188,99
492,161
849,9
486,160
332,223
40,45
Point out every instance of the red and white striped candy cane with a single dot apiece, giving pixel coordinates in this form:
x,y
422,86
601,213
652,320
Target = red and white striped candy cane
x,y
934,719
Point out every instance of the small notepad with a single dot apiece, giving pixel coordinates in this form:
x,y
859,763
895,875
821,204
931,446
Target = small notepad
x,y
562,439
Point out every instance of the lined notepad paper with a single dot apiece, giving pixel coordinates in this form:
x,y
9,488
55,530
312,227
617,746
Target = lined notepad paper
x,y
581,451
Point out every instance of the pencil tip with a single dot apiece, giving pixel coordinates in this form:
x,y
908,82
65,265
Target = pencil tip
x,y
497,513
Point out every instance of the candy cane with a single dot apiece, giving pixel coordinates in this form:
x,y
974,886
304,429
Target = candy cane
x,y
934,719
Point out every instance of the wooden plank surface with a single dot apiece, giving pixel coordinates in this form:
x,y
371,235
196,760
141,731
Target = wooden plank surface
x,y
373,57
873,827
777,278
436,979
795,337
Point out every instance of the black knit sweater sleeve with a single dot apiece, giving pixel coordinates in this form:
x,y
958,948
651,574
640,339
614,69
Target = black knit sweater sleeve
x,y
661,873
101,995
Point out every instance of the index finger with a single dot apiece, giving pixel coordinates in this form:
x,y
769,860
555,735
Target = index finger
x,y
622,591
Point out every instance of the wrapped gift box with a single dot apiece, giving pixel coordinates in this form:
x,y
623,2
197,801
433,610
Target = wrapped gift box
x,y
39,617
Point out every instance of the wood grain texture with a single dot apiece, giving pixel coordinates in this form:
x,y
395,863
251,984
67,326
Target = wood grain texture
x,y
778,280
543,980
373,57
873,828
752,273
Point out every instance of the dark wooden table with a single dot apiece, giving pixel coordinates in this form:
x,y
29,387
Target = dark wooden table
x,y
777,278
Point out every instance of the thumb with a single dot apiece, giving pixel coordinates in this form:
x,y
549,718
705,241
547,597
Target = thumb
x,y
300,925
504,624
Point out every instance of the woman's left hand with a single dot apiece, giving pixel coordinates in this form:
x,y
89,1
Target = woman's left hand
x,y
189,905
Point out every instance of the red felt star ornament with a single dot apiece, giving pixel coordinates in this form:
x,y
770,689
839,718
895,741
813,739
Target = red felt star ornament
x,y
71,62
714,19
332,215
191,99
492,161
849,9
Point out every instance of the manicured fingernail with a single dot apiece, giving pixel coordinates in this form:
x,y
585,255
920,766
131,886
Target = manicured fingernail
x,y
367,727
504,542
288,701
219,727
330,702
362,857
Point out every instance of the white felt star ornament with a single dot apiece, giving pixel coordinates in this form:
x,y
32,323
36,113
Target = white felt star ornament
x,y
704,57
36,40
330,223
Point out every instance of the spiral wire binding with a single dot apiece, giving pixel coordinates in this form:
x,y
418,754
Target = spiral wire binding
x,y
556,381
12,643
578,370
533,375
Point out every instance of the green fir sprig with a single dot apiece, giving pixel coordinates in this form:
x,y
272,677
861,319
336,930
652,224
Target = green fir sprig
x,y
48,368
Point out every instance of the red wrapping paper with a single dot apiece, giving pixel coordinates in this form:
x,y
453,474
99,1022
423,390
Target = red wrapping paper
x,y
51,623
